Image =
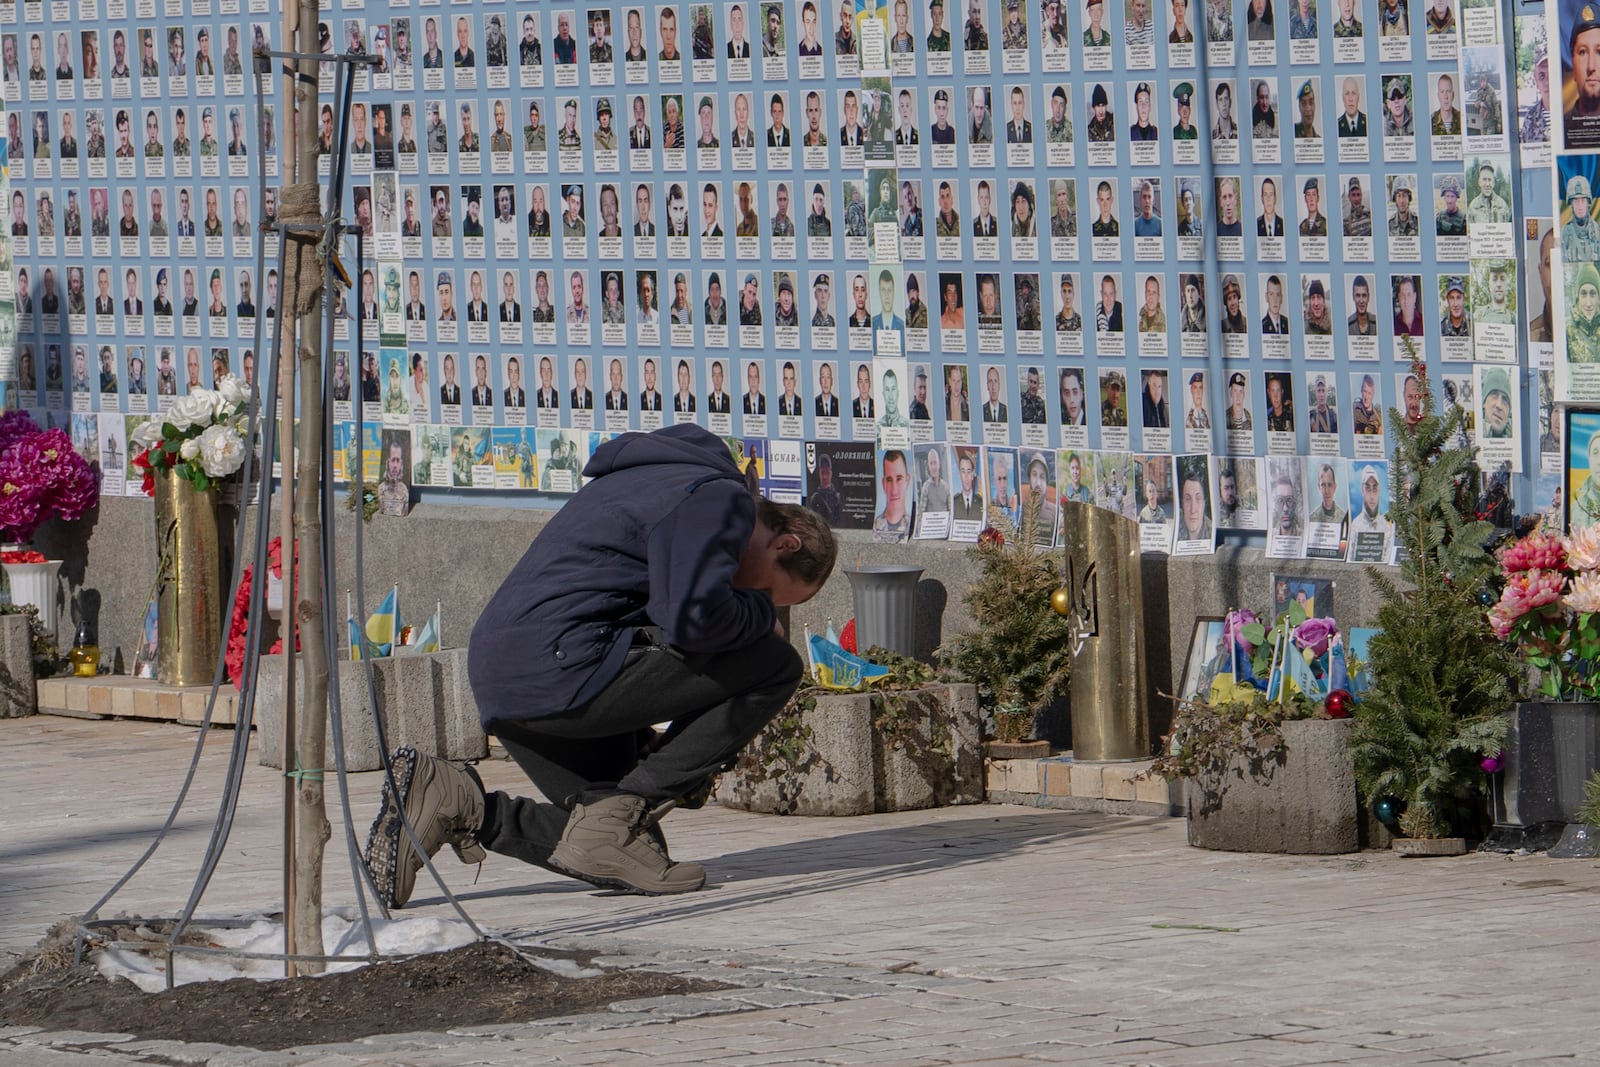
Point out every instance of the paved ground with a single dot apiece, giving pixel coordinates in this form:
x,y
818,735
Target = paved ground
x,y
1040,936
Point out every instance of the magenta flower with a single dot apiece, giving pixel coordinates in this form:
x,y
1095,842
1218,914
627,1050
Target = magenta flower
x,y
14,426
41,477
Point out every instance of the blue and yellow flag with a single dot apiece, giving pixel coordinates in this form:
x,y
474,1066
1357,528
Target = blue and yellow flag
x,y
834,668
384,625
425,639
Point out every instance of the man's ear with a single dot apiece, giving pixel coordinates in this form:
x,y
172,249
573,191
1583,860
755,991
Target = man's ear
x,y
786,543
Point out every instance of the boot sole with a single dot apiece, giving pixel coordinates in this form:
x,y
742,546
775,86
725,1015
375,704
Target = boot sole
x,y
610,882
383,840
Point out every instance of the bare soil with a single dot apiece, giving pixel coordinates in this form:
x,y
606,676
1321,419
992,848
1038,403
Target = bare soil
x,y
480,984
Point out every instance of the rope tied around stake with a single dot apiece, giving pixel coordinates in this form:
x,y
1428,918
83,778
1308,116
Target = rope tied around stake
x,y
304,774
300,205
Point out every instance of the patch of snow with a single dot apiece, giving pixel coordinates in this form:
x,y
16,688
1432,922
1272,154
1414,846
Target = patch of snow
x,y
343,934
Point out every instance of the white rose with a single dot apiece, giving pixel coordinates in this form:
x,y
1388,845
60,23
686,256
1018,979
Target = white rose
x,y
193,410
232,395
189,449
221,451
147,436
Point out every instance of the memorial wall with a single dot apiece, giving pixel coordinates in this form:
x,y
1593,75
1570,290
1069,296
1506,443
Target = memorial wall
x,y
920,266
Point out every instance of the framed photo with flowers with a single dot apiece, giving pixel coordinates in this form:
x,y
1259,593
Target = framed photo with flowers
x,y
1580,488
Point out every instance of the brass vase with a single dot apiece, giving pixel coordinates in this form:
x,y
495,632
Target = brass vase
x,y
189,612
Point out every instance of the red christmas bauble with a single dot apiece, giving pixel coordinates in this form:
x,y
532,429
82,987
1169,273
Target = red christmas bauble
x,y
847,637
991,536
1338,704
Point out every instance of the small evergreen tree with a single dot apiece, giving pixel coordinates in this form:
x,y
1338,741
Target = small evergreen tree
x,y
1018,652
1440,678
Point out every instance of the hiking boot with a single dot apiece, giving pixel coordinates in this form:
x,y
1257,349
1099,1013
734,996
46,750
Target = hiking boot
x,y
444,804
611,842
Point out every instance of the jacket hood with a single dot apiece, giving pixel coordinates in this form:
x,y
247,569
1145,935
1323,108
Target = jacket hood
x,y
671,445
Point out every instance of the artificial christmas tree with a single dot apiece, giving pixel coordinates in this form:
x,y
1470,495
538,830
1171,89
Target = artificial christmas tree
x,y
1018,653
1440,677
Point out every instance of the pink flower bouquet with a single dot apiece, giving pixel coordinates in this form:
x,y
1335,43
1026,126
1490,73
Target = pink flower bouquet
x,y
1549,609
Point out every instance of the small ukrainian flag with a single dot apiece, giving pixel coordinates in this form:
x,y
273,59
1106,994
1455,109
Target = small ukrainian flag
x,y
385,624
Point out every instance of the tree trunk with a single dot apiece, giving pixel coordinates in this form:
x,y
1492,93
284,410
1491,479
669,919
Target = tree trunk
x,y
303,284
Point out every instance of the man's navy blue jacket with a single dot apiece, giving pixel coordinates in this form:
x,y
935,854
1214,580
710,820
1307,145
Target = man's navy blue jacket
x,y
655,539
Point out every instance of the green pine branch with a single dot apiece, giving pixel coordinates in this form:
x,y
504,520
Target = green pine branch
x,y
1441,680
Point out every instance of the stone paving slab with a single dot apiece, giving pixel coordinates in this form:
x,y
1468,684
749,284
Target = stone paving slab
x,y
990,934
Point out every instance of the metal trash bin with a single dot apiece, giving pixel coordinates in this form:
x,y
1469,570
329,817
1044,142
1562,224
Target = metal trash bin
x,y
885,600
1110,699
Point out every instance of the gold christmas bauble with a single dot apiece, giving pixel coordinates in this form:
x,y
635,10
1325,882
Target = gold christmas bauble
x,y
1061,601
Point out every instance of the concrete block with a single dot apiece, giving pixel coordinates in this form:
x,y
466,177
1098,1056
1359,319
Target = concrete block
x,y
995,776
1087,780
18,697
145,705
1153,789
425,701
50,693
1117,781
1304,805
170,704
78,696
121,701
1022,776
1057,778
191,706
939,759
843,766
831,773
99,700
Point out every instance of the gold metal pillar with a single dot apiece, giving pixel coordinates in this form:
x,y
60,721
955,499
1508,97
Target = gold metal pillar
x,y
1110,709
189,613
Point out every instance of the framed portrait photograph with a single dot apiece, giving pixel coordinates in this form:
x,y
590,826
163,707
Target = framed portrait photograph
x,y
1208,657
1314,595
1581,489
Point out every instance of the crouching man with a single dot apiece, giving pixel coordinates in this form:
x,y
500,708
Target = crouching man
x,y
650,597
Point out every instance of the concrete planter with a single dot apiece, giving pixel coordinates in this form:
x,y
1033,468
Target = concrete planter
x,y
833,760
18,696
1304,805
425,701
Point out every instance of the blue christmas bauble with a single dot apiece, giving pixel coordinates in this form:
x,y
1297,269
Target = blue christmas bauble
x,y
1387,810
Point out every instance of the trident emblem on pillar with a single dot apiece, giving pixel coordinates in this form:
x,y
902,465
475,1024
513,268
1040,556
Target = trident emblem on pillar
x,y
1083,617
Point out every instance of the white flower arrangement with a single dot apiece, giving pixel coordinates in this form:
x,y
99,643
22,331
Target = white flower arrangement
x,y
200,438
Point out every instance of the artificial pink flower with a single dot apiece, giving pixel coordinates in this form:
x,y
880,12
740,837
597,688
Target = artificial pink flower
x,y
1525,591
1583,549
1537,551
1500,622
1584,596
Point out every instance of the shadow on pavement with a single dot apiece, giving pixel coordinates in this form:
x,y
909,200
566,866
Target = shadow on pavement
x,y
829,864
